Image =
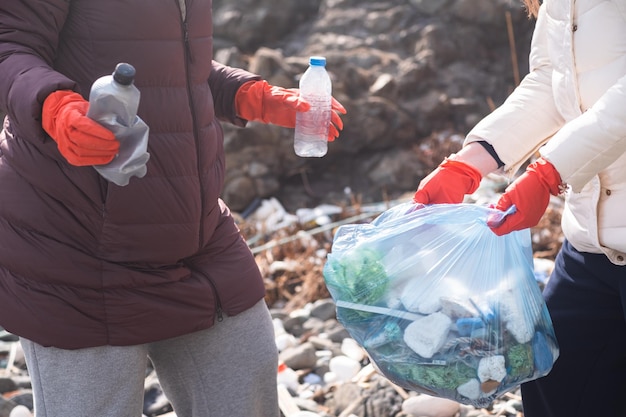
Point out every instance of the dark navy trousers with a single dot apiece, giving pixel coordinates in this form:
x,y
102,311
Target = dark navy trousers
x,y
586,297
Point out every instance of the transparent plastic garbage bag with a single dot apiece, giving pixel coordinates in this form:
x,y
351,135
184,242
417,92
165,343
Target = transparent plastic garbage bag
x,y
441,304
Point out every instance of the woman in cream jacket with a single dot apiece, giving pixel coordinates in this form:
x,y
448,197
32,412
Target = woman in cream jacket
x,y
571,107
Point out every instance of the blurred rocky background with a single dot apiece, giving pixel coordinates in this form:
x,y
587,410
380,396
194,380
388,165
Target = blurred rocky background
x,y
414,76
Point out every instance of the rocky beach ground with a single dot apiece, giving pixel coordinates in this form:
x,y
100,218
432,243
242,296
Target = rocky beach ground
x,y
323,372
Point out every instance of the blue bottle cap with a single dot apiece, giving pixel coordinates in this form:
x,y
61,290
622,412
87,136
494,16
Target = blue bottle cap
x,y
317,60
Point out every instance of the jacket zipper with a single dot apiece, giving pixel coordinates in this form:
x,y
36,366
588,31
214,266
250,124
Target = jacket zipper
x,y
189,58
218,302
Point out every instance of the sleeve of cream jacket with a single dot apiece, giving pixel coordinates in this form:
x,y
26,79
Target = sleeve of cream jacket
x,y
592,141
528,117
580,148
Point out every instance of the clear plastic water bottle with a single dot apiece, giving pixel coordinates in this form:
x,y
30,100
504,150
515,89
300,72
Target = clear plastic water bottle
x,y
113,102
311,135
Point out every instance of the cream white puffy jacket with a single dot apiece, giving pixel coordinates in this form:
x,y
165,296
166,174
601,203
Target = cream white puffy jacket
x,y
574,101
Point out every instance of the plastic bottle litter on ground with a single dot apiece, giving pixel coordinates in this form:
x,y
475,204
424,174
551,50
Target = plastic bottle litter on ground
x,y
288,377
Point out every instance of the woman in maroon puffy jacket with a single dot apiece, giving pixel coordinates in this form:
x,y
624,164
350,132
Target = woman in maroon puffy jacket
x,y
96,278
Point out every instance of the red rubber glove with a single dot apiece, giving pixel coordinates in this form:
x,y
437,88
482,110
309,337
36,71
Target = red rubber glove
x,y
258,101
81,140
448,184
531,194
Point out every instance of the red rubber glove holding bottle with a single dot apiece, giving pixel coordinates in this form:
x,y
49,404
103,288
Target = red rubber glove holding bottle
x,y
530,193
80,140
448,184
261,102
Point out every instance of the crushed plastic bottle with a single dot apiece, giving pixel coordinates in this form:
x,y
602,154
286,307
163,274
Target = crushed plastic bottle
x,y
113,102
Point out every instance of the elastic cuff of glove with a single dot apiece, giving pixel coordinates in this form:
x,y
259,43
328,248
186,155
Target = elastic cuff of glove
x,y
52,105
249,100
548,175
61,97
472,174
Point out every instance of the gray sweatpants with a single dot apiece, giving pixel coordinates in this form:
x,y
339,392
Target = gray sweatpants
x,y
228,370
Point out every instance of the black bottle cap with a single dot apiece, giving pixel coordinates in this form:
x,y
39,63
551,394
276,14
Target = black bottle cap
x,y
124,73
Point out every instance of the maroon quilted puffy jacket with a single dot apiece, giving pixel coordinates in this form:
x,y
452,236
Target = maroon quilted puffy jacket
x,y
84,262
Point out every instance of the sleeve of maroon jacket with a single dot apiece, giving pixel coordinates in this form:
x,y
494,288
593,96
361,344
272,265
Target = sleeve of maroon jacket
x,y
29,33
224,82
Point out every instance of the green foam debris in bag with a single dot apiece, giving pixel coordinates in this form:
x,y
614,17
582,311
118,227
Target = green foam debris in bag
x,y
359,275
